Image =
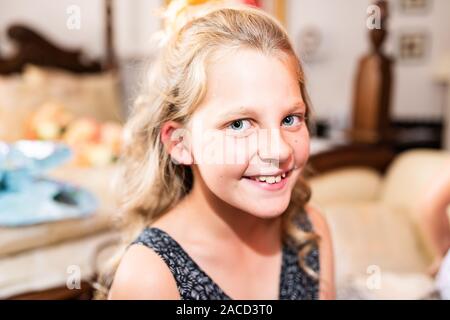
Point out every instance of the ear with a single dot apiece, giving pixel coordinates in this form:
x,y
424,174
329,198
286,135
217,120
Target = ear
x,y
176,140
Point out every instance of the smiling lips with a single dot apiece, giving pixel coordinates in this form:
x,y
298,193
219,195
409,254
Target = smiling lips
x,y
270,179
270,182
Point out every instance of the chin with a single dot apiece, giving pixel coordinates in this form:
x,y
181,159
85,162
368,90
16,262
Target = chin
x,y
269,211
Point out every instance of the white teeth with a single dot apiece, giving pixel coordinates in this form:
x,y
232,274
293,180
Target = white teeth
x,y
270,179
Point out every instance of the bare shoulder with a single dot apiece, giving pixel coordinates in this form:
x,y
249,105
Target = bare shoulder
x,y
326,255
142,274
318,221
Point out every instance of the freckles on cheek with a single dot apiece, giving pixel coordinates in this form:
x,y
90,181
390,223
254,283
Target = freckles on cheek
x,y
301,149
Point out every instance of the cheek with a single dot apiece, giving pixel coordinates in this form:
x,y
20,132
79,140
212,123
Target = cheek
x,y
300,146
223,153
221,180
219,158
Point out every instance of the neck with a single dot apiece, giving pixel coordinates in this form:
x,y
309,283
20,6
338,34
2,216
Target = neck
x,y
228,224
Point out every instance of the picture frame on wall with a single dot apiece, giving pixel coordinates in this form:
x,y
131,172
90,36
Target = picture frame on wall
x,y
413,46
415,6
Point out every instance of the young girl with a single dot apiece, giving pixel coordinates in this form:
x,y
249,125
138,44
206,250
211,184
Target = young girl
x,y
212,187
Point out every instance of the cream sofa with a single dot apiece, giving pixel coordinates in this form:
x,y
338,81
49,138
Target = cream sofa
x,y
380,252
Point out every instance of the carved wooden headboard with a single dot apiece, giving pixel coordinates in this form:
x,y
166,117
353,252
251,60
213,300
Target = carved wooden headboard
x,y
31,47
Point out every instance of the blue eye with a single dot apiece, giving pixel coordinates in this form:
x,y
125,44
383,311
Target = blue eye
x,y
291,120
238,125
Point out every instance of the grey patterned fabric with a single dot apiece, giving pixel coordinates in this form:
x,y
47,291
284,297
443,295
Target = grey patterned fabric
x,y
194,284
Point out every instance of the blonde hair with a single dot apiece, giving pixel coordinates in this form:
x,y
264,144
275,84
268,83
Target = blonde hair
x,y
151,183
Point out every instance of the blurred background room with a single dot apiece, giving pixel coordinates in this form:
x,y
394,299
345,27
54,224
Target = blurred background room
x,y
378,75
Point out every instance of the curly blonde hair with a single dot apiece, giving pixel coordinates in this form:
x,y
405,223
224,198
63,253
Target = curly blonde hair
x,y
150,183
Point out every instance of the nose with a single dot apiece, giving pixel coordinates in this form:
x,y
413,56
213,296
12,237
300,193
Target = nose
x,y
272,147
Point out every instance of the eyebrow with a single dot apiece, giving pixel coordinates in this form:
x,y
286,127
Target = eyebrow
x,y
248,111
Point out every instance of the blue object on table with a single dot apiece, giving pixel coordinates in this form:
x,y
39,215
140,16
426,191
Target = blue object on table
x,y
26,197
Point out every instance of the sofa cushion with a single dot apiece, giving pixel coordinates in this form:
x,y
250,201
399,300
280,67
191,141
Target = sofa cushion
x,y
409,175
372,234
389,286
346,185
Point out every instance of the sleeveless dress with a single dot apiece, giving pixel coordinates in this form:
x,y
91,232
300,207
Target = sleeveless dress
x,y
194,284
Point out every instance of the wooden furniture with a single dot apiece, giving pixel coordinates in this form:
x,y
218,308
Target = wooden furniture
x,y
373,87
62,293
447,118
356,155
371,121
34,48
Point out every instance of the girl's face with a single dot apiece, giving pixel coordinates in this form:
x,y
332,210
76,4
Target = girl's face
x,y
251,127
